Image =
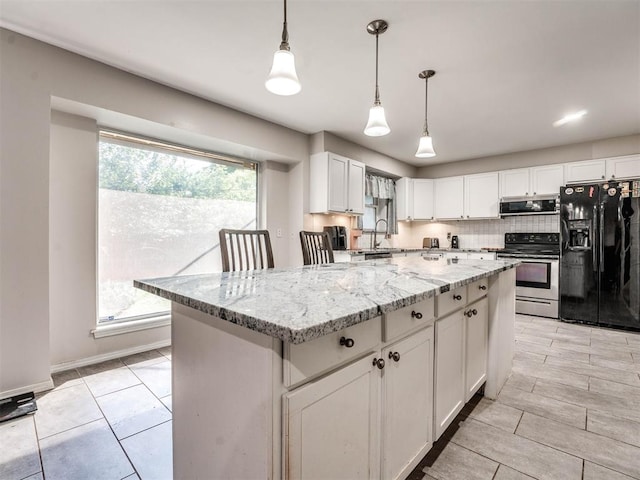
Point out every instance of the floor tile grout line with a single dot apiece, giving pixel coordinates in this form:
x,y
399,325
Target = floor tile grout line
x,y
35,430
144,430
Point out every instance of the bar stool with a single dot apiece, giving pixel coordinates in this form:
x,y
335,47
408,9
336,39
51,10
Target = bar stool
x,y
316,248
245,250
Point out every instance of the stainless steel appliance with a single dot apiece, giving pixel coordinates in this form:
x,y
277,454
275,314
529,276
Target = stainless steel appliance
x,y
338,236
600,254
430,242
536,205
537,277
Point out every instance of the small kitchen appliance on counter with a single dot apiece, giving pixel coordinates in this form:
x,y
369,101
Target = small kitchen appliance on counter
x,y
338,236
454,241
430,242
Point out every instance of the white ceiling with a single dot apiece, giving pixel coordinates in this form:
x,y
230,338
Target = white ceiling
x,y
506,70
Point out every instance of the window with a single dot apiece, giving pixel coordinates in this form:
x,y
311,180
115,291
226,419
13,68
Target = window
x,y
160,208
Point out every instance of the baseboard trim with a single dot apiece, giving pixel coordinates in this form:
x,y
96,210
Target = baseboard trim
x,y
35,388
83,362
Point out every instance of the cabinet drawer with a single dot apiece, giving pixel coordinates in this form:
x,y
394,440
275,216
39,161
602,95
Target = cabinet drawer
x,y
307,359
477,289
449,301
406,319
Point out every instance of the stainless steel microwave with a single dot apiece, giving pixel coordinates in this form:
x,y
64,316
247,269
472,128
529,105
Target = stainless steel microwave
x,y
537,205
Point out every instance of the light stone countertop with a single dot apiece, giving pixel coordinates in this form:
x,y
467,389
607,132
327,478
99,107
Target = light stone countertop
x,y
299,304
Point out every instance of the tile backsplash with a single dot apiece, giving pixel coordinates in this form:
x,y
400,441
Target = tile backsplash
x,y
475,233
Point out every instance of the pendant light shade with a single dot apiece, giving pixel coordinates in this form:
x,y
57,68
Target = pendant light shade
x,y
377,125
425,147
283,79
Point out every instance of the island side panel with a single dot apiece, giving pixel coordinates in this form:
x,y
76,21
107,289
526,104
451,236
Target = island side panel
x,y
502,314
223,403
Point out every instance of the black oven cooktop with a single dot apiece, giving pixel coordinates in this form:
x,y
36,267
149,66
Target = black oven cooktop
x,y
540,244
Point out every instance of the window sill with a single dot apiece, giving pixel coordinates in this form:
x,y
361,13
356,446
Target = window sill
x,y
133,326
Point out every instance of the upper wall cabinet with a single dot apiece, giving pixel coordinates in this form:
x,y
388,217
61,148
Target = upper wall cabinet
x,y
523,182
481,195
336,184
589,171
414,198
448,197
623,167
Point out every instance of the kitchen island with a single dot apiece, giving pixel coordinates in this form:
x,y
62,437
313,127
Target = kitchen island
x,y
347,370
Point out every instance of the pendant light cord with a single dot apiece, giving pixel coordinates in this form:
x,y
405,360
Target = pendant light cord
x,y
285,34
377,100
426,100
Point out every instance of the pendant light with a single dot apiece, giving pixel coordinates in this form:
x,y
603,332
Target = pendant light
x,y
425,147
377,125
283,79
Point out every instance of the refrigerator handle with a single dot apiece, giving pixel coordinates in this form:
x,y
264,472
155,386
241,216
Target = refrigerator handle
x,y
600,237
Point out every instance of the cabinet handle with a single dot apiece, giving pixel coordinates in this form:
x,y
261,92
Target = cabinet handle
x,y
612,176
395,356
482,287
347,342
474,311
378,362
461,216
467,313
457,297
526,193
602,177
415,314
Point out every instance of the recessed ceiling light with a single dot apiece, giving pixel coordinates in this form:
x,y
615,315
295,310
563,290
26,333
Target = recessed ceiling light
x,y
570,118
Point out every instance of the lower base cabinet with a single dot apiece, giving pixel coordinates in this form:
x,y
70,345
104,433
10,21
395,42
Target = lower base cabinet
x,y
477,332
449,370
407,403
371,419
331,425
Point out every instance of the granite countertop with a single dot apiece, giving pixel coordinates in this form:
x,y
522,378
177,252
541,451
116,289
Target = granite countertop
x,y
299,304
362,251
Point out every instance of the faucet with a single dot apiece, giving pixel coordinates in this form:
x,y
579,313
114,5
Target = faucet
x,y
374,237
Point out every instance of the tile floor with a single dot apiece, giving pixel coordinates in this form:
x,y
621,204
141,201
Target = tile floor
x,y
109,421
570,410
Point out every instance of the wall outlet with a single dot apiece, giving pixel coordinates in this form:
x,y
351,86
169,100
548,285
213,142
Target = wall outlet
x,y
279,232
448,235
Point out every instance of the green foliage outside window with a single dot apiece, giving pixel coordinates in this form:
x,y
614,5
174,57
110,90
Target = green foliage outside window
x,y
145,171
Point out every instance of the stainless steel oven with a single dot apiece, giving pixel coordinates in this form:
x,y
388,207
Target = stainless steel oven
x,y
537,277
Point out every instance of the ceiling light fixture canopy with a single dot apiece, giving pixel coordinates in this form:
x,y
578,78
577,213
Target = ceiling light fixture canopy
x,y
377,125
425,147
282,79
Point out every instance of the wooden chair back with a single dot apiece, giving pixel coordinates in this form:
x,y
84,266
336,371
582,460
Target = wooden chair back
x,y
245,250
316,248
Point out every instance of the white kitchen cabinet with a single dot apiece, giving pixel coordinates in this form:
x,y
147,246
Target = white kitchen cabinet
x,y
448,196
336,184
414,198
331,425
481,195
524,182
476,333
449,382
623,167
407,391
546,179
514,183
588,171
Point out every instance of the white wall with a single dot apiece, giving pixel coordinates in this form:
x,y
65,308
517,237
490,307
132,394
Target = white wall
x,y
33,75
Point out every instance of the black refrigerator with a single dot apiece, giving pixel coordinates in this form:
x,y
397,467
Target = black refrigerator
x,y
600,254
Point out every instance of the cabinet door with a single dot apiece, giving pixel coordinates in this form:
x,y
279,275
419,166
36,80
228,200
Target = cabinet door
x,y
449,367
422,199
408,401
338,183
331,425
623,167
514,183
481,195
356,187
477,331
547,179
404,198
589,171
449,197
